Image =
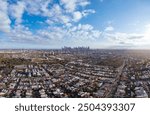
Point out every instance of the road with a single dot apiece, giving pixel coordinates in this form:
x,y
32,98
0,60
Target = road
x,y
114,86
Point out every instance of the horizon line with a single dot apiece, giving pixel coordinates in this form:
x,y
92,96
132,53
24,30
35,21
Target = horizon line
x,y
74,47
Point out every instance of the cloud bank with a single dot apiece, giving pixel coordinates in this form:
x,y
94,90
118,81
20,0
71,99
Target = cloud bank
x,y
62,26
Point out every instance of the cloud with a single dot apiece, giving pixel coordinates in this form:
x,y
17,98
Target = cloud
x,y
82,33
123,37
40,7
64,12
127,40
70,5
77,16
73,34
62,25
61,18
87,12
55,36
84,3
4,18
21,34
17,11
67,11
109,28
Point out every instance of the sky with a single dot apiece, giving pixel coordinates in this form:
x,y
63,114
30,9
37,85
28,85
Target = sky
x,y
48,24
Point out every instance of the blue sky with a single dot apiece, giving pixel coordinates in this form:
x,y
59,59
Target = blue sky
x,y
57,23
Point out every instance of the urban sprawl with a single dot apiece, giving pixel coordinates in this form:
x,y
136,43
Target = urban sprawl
x,y
74,73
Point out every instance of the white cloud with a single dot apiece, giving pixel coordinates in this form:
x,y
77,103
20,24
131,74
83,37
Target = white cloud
x,y
67,14
40,7
109,28
127,40
77,16
50,22
124,40
22,34
4,18
56,36
17,11
87,12
75,34
70,5
84,3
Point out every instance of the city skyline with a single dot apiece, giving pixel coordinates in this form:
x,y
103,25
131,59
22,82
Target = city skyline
x,y
50,24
